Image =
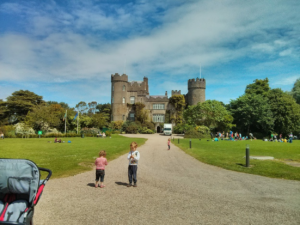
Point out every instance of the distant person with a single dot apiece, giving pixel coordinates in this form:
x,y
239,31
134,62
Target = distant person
x,y
211,135
169,143
2,136
133,157
251,136
280,136
103,135
272,136
100,163
291,137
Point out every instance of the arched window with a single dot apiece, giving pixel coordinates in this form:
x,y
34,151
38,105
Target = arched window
x,y
124,88
123,100
123,117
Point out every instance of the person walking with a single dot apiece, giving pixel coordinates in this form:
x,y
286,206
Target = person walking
x,y
100,163
169,144
133,157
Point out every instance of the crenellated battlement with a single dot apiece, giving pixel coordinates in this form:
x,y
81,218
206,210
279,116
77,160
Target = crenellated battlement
x,y
118,77
175,92
197,83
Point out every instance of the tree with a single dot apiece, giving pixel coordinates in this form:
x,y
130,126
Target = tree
x,y
63,104
259,87
43,116
104,108
210,113
99,120
82,107
252,113
296,91
92,107
177,103
19,104
286,111
141,114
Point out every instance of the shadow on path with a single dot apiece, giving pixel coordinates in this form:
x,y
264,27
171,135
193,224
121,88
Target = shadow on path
x,y
121,183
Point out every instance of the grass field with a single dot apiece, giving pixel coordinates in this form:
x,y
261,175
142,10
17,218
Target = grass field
x,y
66,159
230,155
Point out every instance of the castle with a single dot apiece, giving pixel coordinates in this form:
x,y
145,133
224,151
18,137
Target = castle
x,y
124,92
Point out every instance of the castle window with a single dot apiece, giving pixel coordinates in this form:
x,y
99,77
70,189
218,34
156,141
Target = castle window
x,y
123,100
132,100
131,116
158,106
124,88
112,100
123,117
160,118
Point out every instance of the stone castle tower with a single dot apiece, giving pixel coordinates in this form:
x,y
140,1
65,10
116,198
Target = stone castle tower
x,y
196,91
123,92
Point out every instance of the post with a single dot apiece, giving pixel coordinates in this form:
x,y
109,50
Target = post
x,y
247,155
77,121
178,140
190,143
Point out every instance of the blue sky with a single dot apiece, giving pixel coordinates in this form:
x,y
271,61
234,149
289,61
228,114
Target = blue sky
x,y
67,50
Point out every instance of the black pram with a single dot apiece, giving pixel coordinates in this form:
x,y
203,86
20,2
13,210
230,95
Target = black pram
x,y
20,190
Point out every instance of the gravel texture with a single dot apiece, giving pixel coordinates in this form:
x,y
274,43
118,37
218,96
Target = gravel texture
x,y
173,188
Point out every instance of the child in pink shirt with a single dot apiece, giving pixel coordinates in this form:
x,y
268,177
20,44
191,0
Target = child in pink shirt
x,y
169,143
100,163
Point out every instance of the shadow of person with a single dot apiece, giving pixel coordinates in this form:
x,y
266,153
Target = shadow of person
x,y
91,185
121,183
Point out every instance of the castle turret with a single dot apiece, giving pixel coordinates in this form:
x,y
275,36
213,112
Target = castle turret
x,y
119,85
196,91
175,92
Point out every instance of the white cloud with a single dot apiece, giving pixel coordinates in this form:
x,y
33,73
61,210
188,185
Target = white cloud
x,y
87,41
284,80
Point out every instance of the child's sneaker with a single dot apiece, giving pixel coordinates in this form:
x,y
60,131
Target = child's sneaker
x,y
134,185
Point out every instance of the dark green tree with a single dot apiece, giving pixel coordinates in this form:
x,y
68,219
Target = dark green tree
x,y
296,91
286,112
19,104
259,87
177,103
253,113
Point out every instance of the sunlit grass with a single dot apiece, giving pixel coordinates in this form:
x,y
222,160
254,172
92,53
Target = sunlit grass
x,y
66,159
230,155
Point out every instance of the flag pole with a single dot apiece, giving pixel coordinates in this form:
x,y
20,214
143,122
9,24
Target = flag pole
x,y
66,122
77,121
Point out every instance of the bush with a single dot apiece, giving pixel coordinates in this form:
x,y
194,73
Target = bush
x,y
148,125
192,133
145,130
108,133
132,129
116,132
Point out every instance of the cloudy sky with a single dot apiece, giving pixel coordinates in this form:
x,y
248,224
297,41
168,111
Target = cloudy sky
x,y
67,50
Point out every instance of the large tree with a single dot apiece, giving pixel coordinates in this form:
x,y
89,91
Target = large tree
x,y
19,104
259,87
43,116
296,91
286,111
252,112
210,113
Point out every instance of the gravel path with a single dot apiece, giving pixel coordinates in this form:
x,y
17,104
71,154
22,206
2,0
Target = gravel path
x,y
173,188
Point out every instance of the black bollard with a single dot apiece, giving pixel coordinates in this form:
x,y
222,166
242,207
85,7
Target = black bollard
x,y
247,155
190,143
178,140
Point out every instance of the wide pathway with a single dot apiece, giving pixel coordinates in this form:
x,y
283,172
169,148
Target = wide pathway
x,y
173,188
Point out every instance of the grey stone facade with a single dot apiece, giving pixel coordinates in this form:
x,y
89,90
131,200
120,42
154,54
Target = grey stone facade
x,y
124,92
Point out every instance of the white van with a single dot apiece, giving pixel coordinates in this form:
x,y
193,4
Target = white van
x,y
167,129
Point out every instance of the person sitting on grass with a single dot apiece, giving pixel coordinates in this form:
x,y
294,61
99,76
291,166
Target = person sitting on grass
x,y
100,163
103,135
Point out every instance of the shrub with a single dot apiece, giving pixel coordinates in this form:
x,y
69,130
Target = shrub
x,y
192,133
145,130
116,132
132,129
149,125
108,133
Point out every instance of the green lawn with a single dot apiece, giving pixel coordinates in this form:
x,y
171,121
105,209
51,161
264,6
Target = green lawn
x,y
66,159
230,155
